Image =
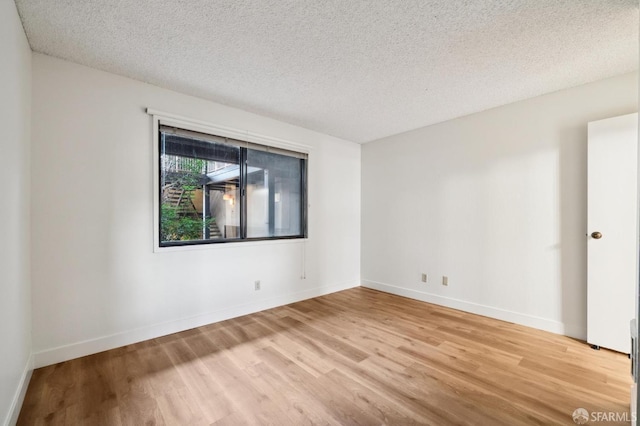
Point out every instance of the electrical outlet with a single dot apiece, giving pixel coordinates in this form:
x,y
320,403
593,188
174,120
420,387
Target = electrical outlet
x,y
424,277
445,280
256,285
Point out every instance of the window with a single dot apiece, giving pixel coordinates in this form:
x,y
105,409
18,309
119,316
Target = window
x,y
214,189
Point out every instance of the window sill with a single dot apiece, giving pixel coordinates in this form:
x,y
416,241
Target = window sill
x,y
227,245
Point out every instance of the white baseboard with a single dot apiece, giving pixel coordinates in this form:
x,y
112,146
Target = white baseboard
x,y
21,391
484,310
92,346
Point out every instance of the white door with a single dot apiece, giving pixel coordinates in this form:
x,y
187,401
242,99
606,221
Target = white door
x,y
611,230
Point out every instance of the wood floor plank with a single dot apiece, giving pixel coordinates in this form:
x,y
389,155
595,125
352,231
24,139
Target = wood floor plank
x,y
354,357
178,407
202,386
304,383
135,393
373,401
300,409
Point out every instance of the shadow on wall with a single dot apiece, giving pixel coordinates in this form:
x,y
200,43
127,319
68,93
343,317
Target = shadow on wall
x,y
573,228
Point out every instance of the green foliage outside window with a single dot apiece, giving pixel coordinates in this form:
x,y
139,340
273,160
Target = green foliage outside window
x,y
177,223
174,227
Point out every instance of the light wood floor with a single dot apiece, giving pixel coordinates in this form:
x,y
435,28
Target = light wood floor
x,y
354,357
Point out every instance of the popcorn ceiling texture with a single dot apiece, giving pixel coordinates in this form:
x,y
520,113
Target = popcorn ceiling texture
x,y
356,69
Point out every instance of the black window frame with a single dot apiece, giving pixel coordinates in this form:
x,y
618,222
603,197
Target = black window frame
x,y
244,147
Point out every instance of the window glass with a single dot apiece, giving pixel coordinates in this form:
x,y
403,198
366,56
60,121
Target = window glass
x,y
273,195
199,183
214,189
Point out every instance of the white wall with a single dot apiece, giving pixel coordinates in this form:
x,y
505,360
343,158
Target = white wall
x,y
496,201
97,283
15,302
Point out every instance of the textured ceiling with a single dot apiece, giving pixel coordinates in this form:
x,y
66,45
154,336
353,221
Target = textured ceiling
x,y
356,69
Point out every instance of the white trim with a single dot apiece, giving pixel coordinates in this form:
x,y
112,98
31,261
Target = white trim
x,y
231,244
156,184
91,346
229,132
21,391
484,310
166,118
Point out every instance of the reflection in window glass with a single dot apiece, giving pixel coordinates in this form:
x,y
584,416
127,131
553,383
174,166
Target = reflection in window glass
x,y
273,195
